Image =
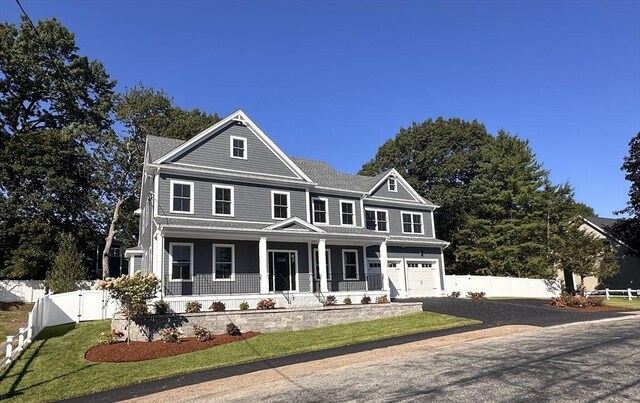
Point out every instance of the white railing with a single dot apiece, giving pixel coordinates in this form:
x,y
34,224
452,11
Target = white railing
x,y
494,286
628,293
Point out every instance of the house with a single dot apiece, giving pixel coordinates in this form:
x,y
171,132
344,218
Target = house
x,y
228,216
117,263
629,274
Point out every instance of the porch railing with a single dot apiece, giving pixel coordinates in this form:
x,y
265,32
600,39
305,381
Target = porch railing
x,y
374,282
285,292
204,284
317,291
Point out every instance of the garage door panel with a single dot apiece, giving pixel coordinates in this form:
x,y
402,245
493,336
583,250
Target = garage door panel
x,y
421,279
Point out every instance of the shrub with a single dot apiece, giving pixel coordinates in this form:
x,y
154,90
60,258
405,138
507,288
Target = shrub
x,y
266,304
330,300
217,306
365,299
161,307
346,301
476,295
193,307
244,305
595,301
171,335
575,301
202,333
68,270
382,299
455,294
111,338
233,330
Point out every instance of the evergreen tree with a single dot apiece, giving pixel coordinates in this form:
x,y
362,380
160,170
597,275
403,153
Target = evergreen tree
x,y
68,270
628,229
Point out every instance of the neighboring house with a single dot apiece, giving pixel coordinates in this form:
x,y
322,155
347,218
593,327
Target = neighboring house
x,y
629,274
117,260
227,215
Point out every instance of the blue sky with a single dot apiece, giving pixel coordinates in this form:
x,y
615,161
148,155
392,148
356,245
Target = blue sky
x,y
333,80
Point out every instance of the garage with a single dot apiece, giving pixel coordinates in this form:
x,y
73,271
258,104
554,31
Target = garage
x,y
411,277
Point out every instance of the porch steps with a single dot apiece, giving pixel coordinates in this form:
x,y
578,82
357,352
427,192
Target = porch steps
x,y
304,302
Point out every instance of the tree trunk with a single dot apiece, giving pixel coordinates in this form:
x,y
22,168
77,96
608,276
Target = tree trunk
x,y
109,239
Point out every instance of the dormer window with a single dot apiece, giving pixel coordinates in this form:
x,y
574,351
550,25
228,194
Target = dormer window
x,y
392,185
238,147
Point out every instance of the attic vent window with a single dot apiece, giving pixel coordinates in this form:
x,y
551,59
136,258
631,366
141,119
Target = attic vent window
x,y
238,147
392,184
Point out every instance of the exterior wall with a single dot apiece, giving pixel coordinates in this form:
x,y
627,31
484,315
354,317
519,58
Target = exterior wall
x,y
394,218
334,208
338,282
304,280
252,202
409,252
215,152
402,193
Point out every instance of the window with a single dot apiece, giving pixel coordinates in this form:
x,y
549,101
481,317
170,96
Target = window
x,y
222,200
181,261
238,147
411,223
374,265
114,252
181,197
316,263
392,185
413,265
376,220
350,264
280,204
320,213
347,212
223,262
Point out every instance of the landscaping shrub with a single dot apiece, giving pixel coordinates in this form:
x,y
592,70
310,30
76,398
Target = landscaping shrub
x,y
266,304
347,301
595,301
455,294
161,307
111,338
193,307
382,300
365,299
233,330
476,295
244,305
575,301
202,333
330,300
217,306
171,335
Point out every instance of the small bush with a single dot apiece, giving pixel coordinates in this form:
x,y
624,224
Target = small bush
x,y
171,335
476,295
161,307
202,333
111,338
346,301
575,301
244,305
382,299
217,306
193,307
455,294
266,304
330,300
365,299
595,301
233,330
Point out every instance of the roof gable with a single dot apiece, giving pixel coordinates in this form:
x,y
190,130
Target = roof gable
x,y
404,190
294,224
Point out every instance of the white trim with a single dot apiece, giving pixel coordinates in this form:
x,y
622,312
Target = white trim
x,y
353,204
395,184
244,147
316,263
234,173
213,200
344,268
433,226
386,212
233,261
294,220
380,199
171,245
401,180
362,214
411,214
336,190
213,219
273,204
326,210
155,198
306,204
191,195
296,267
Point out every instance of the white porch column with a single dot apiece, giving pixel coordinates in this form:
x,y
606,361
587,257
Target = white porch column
x,y
322,265
384,266
263,258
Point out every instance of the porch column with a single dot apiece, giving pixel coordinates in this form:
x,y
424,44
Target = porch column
x,y
322,265
264,265
384,266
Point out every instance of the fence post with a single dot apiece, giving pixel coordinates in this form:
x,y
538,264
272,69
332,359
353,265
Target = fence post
x,y
9,352
21,337
30,326
606,292
79,306
629,293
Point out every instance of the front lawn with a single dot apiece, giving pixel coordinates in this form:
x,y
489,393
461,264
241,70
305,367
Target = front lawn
x,y
13,316
623,303
53,367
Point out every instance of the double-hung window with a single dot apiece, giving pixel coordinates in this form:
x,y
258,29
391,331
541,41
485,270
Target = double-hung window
x,y
412,223
181,197
238,147
376,220
280,206
350,264
181,261
347,212
316,263
223,262
392,185
223,200
320,210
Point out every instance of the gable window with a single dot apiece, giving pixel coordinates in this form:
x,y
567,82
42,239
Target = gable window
x,y
320,213
347,213
376,220
350,264
280,204
238,147
392,186
411,223
223,262
181,261
223,200
181,197
316,264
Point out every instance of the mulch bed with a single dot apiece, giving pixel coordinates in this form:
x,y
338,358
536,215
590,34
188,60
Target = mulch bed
x,y
141,351
593,308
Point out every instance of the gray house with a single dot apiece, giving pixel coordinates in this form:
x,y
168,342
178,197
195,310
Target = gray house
x,y
228,216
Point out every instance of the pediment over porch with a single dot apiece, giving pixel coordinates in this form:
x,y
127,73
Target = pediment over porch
x,y
295,224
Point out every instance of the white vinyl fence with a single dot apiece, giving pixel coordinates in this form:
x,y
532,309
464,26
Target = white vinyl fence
x,y
494,286
21,290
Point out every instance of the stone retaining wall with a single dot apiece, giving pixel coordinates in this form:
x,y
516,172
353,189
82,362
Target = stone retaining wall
x,y
148,328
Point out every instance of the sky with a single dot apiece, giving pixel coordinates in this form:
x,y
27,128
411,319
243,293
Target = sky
x,y
333,80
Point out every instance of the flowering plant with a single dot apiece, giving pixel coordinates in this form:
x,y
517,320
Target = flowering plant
x,y
111,337
171,335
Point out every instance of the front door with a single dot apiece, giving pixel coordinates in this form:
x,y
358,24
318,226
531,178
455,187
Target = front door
x,y
282,271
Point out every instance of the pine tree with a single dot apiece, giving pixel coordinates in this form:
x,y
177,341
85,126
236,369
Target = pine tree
x,y
68,269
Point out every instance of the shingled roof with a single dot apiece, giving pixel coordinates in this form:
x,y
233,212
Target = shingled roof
x,y
159,146
602,222
324,175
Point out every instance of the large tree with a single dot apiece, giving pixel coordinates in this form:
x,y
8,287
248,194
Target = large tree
x,y
628,229
54,108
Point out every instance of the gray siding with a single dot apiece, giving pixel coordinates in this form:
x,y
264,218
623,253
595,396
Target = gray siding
x,y
401,194
334,208
303,261
215,152
337,282
252,201
394,218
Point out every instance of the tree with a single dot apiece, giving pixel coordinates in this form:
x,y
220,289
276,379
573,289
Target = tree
x,y
628,229
54,108
68,269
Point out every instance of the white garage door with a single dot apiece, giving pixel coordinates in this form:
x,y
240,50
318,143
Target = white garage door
x,y
421,278
395,271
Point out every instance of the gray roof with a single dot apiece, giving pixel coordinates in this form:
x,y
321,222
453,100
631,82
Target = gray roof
x,y
602,222
160,146
324,175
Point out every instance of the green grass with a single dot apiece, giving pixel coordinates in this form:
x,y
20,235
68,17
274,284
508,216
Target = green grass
x,y
53,367
13,316
623,303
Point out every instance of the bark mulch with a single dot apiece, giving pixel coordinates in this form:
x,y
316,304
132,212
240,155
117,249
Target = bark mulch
x,y
141,351
593,308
